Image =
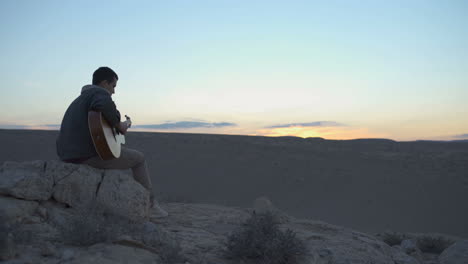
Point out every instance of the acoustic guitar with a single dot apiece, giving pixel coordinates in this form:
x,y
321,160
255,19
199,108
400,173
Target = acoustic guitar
x,y
107,140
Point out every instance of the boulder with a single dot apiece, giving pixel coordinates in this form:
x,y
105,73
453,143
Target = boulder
x,y
409,246
122,195
455,254
26,180
399,257
59,170
77,188
263,205
16,210
7,247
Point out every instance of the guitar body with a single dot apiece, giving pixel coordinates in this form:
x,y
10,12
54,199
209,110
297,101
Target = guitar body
x,y
106,139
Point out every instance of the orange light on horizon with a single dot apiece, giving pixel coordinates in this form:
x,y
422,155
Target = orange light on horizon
x,y
338,132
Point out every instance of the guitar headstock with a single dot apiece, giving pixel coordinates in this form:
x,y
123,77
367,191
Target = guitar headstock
x,y
128,120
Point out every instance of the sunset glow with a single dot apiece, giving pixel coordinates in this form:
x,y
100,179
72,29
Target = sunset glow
x,y
323,132
381,69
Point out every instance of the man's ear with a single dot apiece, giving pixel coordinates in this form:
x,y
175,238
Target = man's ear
x,y
103,83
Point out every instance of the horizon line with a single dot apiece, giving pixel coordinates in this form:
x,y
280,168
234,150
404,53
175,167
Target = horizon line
x,y
291,136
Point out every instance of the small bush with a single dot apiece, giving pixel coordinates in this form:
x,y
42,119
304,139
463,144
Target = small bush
x,y
260,240
433,243
392,238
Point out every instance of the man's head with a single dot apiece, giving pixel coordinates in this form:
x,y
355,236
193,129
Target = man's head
x,y
106,78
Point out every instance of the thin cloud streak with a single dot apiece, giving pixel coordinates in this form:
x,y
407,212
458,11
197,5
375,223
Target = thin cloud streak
x,y
32,127
311,124
186,125
13,127
462,136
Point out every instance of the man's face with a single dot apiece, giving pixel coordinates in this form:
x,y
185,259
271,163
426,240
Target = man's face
x,y
110,86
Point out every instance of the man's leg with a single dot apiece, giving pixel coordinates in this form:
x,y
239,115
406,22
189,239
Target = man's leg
x,y
129,159
135,160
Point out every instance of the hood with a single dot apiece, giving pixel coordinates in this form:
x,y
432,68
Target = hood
x,y
92,86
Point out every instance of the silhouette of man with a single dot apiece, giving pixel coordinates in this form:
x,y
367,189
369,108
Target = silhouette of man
x,y
75,145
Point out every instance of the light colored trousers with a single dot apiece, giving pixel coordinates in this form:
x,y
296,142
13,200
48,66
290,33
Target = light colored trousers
x,y
129,159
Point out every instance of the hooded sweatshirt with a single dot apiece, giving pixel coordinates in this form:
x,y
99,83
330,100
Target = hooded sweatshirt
x,y
74,142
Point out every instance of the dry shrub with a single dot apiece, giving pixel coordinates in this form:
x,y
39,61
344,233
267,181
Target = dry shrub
x,y
392,238
433,243
260,240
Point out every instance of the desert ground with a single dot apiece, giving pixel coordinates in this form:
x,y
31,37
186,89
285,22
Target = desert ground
x,y
371,185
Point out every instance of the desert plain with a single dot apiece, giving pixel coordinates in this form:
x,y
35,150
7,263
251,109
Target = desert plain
x,y
371,185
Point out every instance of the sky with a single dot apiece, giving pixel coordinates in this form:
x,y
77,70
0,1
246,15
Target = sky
x,y
332,69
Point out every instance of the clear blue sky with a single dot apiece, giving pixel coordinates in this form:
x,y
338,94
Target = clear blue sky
x,y
335,69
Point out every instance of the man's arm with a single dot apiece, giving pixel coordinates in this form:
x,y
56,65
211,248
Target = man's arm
x,y
105,105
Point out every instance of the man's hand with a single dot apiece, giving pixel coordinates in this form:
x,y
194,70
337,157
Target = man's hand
x,y
123,126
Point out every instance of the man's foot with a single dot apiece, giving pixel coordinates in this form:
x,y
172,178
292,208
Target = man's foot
x,y
157,212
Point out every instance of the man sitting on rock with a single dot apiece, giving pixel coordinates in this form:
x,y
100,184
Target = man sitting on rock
x,y
75,145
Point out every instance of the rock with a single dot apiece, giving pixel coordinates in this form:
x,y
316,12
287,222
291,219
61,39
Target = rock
x,y
26,180
48,250
7,247
57,213
115,254
455,254
408,246
68,254
16,210
340,245
263,205
78,189
42,212
122,195
37,233
399,257
153,235
59,170
32,220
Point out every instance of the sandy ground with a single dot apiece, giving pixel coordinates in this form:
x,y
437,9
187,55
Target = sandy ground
x,y
369,185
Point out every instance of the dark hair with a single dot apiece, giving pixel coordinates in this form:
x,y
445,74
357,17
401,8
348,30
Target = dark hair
x,y
104,74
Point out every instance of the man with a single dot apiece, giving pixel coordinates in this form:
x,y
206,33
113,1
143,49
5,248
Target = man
x,y
75,145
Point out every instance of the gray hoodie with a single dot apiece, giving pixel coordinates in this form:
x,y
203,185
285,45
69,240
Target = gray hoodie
x,y
90,86
74,142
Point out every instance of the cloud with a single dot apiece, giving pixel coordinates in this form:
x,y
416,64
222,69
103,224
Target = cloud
x,y
185,125
53,126
2,126
311,124
462,136
34,127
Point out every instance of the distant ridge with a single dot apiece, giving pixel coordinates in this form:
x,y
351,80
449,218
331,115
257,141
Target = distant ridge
x,y
287,138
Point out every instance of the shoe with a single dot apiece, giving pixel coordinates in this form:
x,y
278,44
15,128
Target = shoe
x,y
157,212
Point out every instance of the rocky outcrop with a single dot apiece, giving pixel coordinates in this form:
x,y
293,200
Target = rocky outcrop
x,y
16,210
79,188
26,180
84,215
123,195
71,185
455,254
